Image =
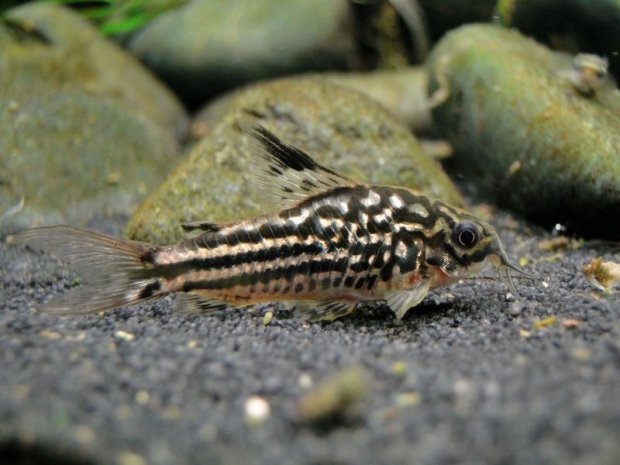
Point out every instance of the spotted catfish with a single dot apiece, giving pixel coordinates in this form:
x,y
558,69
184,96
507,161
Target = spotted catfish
x,y
334,245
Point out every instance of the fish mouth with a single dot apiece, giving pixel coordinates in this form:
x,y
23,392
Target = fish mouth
x,y
503,267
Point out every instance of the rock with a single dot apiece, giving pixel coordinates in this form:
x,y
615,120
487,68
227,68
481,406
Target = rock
x,y
335,398
524,134
402,92
78,55
208,46
85,131
338,126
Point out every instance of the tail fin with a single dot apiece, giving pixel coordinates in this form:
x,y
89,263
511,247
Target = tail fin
x,y
113,271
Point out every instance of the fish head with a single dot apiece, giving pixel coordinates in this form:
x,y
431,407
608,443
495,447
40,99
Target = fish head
x,y
467,246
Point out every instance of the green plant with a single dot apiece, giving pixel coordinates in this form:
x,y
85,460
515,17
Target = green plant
x,y
114,17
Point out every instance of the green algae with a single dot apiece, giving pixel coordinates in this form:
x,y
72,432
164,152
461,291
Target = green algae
x,y
523,134
338,126
403,92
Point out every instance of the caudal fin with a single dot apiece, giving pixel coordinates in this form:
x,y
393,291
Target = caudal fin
x,y
112,270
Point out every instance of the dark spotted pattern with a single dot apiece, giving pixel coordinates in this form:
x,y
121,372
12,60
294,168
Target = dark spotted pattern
x,y
355,238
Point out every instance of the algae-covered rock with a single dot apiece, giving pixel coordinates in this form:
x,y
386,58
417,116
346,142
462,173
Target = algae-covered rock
x,y
402,92
74,53
84,129
207,46
338,126
524,134
575,26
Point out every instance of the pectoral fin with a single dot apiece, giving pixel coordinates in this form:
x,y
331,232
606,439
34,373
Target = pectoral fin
x,y
195,303
401,301
327,310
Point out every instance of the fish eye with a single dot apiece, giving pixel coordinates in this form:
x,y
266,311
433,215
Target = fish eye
x,y
466,235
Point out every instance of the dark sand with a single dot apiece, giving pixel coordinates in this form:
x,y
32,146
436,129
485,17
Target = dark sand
x,y
75,390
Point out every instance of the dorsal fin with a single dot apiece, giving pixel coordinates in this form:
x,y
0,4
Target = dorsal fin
x,y
289,173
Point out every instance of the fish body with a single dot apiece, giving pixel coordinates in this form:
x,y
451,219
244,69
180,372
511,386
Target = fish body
x,y
334,245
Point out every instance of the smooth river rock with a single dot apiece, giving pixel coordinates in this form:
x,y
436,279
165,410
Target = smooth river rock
x,y
85,130
524,134
205,47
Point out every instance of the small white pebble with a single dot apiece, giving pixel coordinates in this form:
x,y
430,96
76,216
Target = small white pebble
x,y
124,335
463,387
51,335
582,354
305,381
84,435
257,410
131,458
515,308
142,397
545,284
408,399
